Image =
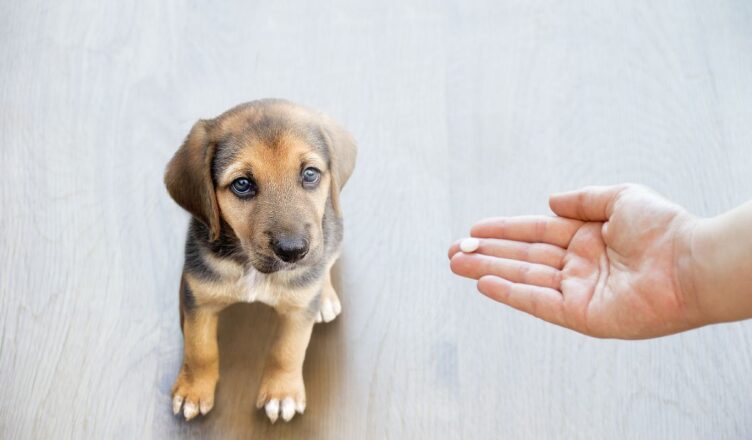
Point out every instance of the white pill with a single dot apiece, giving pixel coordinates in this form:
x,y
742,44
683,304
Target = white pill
x,y
469,244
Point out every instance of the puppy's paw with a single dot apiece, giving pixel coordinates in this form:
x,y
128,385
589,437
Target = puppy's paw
x,y
193,394
282,395
330,306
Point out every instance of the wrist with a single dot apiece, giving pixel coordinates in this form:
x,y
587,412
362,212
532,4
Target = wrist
x,y
719,272
686,270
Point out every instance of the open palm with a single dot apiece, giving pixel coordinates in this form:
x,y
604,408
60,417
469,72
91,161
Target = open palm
x,y
606,267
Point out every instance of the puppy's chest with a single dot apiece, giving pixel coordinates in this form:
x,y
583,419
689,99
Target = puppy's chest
x,y
255,286
242,284
272,290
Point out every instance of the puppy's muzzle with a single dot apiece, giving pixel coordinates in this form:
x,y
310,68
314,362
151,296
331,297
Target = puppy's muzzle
x,y
289,248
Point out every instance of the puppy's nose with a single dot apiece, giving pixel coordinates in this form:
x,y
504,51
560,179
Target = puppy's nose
x,y
289,248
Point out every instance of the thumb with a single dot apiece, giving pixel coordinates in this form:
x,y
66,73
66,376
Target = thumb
x,y
592,203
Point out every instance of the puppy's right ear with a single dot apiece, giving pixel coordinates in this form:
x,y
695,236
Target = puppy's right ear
x,y
188,177
342,154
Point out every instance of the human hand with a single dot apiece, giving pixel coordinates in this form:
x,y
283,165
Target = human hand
x,y
616,263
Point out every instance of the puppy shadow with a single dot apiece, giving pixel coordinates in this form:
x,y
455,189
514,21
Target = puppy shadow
x,y
245,334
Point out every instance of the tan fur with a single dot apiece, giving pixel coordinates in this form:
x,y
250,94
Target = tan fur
x,y
200,372
282,373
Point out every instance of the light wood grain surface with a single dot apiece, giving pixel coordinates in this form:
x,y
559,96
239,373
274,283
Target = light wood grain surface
x,y
462,110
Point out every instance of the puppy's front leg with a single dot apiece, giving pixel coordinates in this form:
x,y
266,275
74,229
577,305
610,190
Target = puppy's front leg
x,y
331,307
194,387
282,390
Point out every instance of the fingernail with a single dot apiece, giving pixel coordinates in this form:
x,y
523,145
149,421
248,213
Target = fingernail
x,y
469,245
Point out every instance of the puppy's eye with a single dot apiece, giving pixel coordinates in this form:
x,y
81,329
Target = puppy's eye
x,y
311,177
243,187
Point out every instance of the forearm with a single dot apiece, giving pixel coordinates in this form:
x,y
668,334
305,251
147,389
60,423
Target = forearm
x,y
721,265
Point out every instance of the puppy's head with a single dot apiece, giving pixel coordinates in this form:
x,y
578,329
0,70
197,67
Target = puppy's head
x,y
268,170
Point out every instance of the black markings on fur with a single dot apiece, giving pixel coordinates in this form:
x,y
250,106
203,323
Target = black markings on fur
x,y
187,296
309,276
194,260
226,246
333,229
197,244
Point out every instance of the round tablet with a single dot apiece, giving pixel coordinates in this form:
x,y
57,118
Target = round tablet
x,y
469,244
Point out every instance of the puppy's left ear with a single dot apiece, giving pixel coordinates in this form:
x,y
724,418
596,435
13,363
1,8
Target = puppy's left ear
x,y
189,181
342,154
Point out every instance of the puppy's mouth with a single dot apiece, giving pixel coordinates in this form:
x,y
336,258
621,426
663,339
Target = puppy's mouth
x,y
268,264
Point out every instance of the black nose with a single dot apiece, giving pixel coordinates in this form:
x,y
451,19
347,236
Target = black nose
x,y
290,249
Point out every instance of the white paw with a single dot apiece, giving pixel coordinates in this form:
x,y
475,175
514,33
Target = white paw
x,y
189,408
286,409
330,309
192,398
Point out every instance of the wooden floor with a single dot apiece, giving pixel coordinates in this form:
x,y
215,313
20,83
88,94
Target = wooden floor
x,y
462,110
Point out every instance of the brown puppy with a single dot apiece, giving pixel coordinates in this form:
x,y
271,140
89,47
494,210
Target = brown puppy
x,y
262,182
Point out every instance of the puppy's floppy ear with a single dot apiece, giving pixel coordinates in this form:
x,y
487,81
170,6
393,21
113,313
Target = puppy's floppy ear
x,y
188,177
342,154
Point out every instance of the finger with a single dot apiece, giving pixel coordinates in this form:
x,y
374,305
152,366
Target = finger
x,y
592,203
532,229
477,265
454,248
540,253
470,244
542,302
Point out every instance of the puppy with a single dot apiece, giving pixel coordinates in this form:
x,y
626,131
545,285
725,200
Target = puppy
x,y
262,183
